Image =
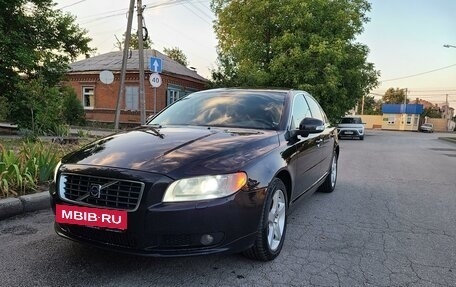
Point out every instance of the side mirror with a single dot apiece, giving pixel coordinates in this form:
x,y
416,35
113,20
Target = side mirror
x,y
312,126
306,127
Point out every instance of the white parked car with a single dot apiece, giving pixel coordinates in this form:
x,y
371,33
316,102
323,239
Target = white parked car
x,y
427,127
351,127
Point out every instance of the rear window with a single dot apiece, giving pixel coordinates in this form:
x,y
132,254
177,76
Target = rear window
x,y
351,121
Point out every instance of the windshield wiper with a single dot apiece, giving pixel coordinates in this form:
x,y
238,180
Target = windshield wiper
x,y
155,130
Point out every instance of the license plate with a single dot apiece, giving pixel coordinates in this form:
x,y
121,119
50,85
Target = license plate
x,y
348,133
93,217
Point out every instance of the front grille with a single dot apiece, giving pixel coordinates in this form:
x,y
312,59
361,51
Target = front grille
x,y
122,239
101,192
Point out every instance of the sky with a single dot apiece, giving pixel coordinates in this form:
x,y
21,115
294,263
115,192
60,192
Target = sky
x,y
405,38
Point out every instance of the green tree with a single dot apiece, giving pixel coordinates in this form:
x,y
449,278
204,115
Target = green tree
x,y
431,112
176,54
72,111
371,106
394,96
309,45
37,106
36,45
134,44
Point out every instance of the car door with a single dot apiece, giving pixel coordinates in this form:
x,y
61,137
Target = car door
x,y
306,157
325,140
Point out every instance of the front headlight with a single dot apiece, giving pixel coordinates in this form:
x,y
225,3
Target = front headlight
x,y
56,169
205,187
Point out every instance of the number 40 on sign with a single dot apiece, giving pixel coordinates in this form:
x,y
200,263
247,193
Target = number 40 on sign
x,y
155,80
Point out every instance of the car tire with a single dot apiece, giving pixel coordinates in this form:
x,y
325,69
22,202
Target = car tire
x,y
361,138
330,181
273,224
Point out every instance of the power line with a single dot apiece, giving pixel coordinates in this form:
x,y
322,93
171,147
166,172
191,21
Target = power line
x,y
419,74
432,91
70,5
196,14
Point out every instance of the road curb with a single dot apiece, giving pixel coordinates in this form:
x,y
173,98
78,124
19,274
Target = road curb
x,y
26,203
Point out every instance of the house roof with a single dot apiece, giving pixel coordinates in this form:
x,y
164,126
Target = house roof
x,y
113,61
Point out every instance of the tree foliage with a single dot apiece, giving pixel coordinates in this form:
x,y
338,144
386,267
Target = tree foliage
x,y
309,45
394,96
42,109
134,43
72,111
432,112
371,106
177,55
36,45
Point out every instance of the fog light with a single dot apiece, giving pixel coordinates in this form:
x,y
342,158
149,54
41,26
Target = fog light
x,y
207,239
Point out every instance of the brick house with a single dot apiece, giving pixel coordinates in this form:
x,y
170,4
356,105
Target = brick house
x,y
99,99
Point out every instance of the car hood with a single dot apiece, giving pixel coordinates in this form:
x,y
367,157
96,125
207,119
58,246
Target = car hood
x,y
177,151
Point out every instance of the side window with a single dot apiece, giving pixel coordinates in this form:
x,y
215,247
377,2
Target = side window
x,y
88,97
300,111
315,109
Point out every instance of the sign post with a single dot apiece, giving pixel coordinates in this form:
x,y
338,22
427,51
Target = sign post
x,y
155,66
156,81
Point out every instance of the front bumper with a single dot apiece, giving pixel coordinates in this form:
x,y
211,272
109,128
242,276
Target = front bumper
x,y
176,229
349,132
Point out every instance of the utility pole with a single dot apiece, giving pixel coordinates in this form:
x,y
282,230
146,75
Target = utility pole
x,y
362,106
405,98
142,98
124,64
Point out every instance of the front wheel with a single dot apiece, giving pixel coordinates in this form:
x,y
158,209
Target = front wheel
x,y
273,225
330,182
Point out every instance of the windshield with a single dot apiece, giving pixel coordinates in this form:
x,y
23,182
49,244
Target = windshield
x,y
232,108
351,121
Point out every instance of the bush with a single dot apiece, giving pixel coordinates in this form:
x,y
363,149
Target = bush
x,y
22,171
4,108
60,130
73,111
43,109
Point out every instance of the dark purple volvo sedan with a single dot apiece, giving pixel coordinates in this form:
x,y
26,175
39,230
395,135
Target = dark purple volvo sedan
x,y
216,172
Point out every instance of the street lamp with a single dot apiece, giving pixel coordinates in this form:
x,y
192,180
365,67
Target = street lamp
x,y
449,46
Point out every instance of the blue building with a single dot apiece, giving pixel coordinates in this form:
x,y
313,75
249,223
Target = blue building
x,y
402,117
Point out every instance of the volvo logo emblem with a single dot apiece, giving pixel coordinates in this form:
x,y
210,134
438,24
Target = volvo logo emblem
x,y
95,190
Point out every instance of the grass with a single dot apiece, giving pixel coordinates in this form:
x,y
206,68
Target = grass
x,y
28,167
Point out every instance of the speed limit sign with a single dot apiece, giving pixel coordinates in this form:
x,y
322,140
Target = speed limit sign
x,y
155,80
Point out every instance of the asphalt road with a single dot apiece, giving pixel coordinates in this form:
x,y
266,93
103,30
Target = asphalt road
x,y
390,222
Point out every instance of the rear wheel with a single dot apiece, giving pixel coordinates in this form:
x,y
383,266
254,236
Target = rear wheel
x,y
273,225
330,182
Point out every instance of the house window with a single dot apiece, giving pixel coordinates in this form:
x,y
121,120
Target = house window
x,y
391,120
409,120
88,97
132,98
173,94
